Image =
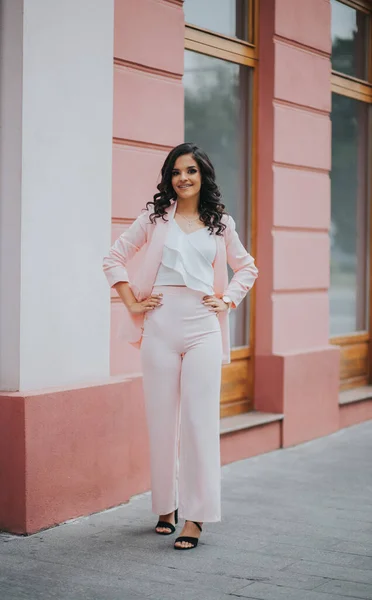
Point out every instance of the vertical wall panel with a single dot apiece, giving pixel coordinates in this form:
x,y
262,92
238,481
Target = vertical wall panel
x,y
294,150
148,119
151,33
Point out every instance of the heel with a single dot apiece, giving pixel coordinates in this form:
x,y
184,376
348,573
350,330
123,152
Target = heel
x,y
176,516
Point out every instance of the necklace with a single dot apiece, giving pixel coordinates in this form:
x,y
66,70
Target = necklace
x,y
189,221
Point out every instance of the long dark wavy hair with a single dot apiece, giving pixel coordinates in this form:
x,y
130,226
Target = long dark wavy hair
x,y
211,207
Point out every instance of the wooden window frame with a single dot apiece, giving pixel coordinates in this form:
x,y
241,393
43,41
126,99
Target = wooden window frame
x,y
362,5
356,348
237,377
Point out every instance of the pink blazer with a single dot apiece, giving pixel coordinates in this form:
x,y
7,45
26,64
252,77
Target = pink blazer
x,y
151,237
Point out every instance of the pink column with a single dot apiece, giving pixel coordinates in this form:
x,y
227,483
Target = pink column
x,y
296,370
148,122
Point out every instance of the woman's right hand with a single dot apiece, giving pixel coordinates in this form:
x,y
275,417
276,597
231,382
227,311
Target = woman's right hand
x,y
153,301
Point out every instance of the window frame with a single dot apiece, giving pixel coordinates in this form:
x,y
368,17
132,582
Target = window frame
x,y
231,49
356,348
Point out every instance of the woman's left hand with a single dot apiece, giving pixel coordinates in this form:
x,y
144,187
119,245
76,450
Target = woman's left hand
x,y
214,304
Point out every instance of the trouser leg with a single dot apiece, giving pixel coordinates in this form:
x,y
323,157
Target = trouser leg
x,y
200,464
161,379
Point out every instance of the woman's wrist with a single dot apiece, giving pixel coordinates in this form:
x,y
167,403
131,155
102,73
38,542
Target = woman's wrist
x,y
227,300
131,305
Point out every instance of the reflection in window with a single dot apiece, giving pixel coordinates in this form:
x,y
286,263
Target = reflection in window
x,y
349,228
349,40
216,106
228,17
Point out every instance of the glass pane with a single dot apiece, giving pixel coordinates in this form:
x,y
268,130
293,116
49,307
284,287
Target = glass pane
x,y
216,108
349,226
229,17
349,40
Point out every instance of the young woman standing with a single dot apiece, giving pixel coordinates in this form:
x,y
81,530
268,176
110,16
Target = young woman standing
x,y
178,303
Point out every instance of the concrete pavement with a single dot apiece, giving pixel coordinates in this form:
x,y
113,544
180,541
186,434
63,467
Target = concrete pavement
x,y
297,525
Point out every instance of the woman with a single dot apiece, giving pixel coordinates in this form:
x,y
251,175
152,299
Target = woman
x,y
178,303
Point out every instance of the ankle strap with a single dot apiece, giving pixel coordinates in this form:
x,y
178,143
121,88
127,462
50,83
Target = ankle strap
x,y
195,522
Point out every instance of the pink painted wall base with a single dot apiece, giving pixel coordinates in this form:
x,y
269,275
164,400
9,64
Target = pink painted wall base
x,y
250,442
355,412
303,387
66,453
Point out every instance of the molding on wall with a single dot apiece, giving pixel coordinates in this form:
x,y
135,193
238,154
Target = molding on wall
x,y
142,144
295,229
122,220
299,46
302,107
283,291
300,167
145,69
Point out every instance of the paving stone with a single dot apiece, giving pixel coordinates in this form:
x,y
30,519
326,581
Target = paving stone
x,y
364,549
347,588
264,591
291,580
316,555
331,571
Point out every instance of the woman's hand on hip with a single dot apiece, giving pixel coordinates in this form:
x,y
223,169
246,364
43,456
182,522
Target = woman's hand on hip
x,y
215,304
153,301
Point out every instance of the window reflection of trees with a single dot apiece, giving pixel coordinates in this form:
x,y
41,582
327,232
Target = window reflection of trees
x,y
216,105
229,17
349,40
349,214
211,120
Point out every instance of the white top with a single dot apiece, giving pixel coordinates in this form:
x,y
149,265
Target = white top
x,y
188,259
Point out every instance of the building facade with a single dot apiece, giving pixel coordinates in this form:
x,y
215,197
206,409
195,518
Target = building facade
x,y
94,94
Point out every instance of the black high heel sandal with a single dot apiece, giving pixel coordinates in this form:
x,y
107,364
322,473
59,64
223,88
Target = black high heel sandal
x,y
167,525
185,538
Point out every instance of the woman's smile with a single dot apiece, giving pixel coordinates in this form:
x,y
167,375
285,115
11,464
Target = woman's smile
x,y
186,177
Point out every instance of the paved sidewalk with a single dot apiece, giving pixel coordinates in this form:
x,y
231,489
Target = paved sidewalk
x,y
297,525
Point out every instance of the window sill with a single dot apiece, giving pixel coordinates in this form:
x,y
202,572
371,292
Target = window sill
x,y
247,421
359,394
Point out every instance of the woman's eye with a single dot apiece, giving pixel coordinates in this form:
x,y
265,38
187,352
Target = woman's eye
x,y
174,173
192,171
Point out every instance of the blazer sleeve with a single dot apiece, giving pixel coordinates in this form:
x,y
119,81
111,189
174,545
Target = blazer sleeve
x,y
241,262
125,247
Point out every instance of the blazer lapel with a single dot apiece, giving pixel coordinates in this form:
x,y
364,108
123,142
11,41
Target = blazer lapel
x,y
155,252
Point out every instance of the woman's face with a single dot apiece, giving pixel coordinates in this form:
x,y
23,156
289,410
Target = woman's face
x,y
186,177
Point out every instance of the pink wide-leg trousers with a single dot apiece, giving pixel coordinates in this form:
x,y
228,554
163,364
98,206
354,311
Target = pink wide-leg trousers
x,y
181,355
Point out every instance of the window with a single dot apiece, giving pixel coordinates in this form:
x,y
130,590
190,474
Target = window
x,y
351,190
219,84
228,17
216,112
350,28
349,244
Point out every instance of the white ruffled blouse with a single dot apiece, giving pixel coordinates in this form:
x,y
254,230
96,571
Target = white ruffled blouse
x,y
188,259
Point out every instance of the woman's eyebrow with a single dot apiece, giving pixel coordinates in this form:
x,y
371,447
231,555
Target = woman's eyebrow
x,y
190,167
